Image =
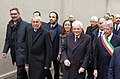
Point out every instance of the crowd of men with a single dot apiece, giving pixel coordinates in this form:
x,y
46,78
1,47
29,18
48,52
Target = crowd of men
x,y
35,45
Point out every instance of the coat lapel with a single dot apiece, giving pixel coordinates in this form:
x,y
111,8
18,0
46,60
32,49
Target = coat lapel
x,y
38,34
71,40
79,42
54,32
30,38
113,40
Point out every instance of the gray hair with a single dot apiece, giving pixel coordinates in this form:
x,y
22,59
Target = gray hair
x,y
76,22
37,17
95,18
108,23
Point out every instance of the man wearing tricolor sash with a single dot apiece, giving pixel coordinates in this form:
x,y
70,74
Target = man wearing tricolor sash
x,y
104,49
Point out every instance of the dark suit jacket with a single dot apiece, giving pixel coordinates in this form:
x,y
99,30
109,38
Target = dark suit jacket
x,y
38,52
89,31
95,33
55,39
114,67
102,57
16,42
77,54
117,32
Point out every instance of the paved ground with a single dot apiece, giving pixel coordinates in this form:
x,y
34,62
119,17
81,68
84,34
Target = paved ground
x,y
5,65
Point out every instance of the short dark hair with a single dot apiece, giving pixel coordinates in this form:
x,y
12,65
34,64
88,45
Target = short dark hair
x,y
15,9
54,13
37,12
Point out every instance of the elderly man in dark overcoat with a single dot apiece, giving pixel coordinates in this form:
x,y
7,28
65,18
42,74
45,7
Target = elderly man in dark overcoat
x,y
38,48
75,53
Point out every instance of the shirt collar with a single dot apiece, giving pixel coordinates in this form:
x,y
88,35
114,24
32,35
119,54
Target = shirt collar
x,y
53,25
110,37
77,36
99,32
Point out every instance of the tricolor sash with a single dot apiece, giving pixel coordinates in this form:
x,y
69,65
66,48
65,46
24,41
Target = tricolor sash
x,y
109,47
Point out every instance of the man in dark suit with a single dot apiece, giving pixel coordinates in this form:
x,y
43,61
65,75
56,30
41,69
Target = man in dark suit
x,y
15,41
54,28
89,31
38,48
116,25
114,67
75,53
99,31
104,49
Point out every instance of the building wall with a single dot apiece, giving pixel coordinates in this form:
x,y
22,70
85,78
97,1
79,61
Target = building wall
x,y
81,9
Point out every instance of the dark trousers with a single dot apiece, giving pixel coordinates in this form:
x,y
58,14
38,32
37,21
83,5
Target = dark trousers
x,y
21,72
90,73
56,69
48,74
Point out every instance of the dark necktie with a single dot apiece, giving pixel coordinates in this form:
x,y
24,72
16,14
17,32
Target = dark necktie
x,y
34,33
52,32
117,26
100,34
76,39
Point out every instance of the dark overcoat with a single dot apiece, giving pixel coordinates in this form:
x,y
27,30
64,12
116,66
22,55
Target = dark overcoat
x,y
114,67
77,54
102,57
90,31
38,52
54,38
15,41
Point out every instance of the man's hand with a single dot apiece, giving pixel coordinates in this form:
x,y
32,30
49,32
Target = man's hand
x,y
4,55
67,63
95,73
26,66
58,57
81,70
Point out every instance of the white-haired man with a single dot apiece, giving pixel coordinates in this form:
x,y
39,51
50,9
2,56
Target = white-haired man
x,y
38,49
104,49
75,53
93,26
